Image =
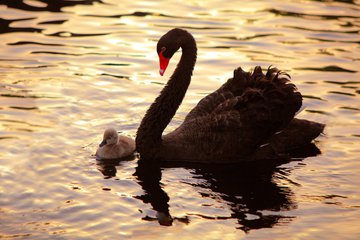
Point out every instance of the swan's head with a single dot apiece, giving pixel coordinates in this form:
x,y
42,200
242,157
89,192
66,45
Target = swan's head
x,y
110,137
167,45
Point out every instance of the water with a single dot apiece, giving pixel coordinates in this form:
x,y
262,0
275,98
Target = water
x,y
69,69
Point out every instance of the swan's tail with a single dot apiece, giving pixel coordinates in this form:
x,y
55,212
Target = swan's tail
x,y
299,132
298,135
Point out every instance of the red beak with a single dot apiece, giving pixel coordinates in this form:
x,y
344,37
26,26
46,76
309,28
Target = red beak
x,y
163,63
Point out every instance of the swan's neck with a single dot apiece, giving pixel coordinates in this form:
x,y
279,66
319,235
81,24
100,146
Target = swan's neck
x,y
160,113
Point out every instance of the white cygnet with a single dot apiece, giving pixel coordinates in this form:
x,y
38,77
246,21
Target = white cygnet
x,y
115,146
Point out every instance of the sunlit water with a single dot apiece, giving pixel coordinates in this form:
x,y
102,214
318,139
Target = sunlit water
x,y
69,71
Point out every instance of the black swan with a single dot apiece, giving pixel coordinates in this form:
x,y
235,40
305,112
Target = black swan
x,y
115,146
250,117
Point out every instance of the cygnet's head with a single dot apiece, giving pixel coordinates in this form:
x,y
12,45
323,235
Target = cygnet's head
x,y
110,137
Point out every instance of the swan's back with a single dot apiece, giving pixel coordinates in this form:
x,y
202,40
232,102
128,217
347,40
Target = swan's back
x,y
235,120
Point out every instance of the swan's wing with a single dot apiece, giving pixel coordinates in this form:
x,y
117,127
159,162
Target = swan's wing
x,y
209,103
253,108
233,87
236,86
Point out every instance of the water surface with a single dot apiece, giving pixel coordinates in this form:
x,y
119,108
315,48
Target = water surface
x,y
69,69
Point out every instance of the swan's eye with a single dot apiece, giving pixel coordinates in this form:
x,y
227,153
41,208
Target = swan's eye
x,y
163,51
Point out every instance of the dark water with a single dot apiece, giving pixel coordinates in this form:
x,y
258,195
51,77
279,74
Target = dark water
x,y
69,69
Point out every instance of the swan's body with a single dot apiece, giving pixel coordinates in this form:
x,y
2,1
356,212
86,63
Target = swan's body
x,y
115,146
249,117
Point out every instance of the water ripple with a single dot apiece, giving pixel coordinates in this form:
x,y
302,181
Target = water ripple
x,y
46,5
134,14
19,43
67,34
323,30
327,69
309,16
6,28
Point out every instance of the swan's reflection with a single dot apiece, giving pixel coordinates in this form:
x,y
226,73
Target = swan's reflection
x,y
249,190
149,176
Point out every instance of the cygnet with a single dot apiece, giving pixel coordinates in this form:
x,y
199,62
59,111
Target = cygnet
x,y
115,146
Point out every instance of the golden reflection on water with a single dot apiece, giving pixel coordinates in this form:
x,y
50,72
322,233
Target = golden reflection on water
x,y
69,71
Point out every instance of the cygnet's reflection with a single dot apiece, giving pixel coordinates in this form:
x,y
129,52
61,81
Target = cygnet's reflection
x,y
108,166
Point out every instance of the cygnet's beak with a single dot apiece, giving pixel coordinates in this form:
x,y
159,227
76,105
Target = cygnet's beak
x,y
102,143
